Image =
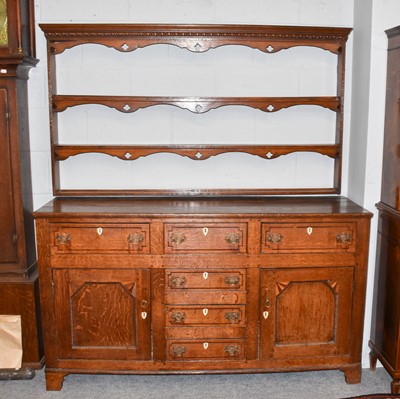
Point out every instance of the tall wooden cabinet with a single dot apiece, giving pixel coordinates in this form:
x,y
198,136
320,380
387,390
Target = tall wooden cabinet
x,y
385,336
18,269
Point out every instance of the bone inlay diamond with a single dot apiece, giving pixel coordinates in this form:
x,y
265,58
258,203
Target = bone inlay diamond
x,y
124,47
270,108
199,155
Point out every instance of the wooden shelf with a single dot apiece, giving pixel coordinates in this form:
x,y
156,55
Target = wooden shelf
x,y
198,105
199,152
196,38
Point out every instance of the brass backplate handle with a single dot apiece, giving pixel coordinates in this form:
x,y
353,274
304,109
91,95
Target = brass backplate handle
x,y
343,238
178,350
233,238
63,238
232,316
178,317
232,350
274,238
135,238
177,281
232,280
177,238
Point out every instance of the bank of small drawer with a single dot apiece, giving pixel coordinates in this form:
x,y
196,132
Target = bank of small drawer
x,y
202,315
205,238
100,238
206,279
308,237
205,350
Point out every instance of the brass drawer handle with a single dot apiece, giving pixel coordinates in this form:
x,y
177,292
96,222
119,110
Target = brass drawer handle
x,y
177,238
63,238
232,350
135,238
233,238
178,350
343,238
177,281
232,316
178,317
274,238
232,280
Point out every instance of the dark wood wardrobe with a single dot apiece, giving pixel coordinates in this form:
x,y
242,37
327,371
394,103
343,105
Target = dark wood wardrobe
x,y
385,335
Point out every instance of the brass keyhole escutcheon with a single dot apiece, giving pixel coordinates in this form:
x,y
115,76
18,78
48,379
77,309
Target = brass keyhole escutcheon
x,y
205,311
144,303
205,231
205,275
205,345
99,231
309,230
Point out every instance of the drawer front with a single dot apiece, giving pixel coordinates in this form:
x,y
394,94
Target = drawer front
x,y
198,297
100,238
201,315
211,237
205,332
226,280
212,349
308,237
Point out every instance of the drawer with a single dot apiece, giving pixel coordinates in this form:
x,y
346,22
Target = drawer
x,y
205,332
100,238
210,279
206,237
201,349
308,237
199,297
215,315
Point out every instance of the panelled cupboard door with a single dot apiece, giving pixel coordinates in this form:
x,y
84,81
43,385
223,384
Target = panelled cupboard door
x,y
102,314
305,313
8,247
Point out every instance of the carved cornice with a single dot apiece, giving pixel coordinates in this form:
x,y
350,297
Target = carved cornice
x,y
145,30
64,36
172,34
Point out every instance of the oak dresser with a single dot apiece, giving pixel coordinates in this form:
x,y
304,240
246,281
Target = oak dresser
x,y
182,285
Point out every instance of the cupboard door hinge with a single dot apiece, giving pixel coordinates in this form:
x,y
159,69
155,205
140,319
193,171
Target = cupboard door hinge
x,y
8,116
15,237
